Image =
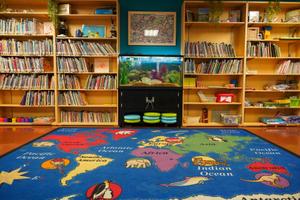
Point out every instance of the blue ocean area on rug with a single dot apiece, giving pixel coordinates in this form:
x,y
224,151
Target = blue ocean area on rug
x,y
136,164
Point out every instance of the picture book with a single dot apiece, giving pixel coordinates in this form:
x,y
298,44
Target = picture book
x,y
101,65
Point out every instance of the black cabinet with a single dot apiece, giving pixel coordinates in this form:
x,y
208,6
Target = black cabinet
x,y
137,100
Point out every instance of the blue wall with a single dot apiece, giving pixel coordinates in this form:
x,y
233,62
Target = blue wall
x,y
149,5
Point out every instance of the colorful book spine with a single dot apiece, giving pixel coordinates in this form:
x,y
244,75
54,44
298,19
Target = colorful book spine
x,y
288,67
232,66
209,49
30,82
68,82
78,48
86,117
21,26
29,47
71,98
72,65
15,64
263,49
38,98
101,82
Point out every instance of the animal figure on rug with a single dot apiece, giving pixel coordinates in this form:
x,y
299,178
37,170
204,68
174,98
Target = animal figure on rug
x,y
271,179
188,181
138,163
216,139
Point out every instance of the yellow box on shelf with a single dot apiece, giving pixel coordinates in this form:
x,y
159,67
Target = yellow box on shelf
x,y
189,82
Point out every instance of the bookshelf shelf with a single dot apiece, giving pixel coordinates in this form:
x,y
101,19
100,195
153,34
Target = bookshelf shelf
x,y
212,88
202,74
274,58
89,56
25,124
89,73
212,58
86,38
27,72
18,55
88,124
86,16
277,40
271,108
25,36
215,25
25,14
212,103
271,74
274,24
272,91
90,106
89,90
26,89
210,124
25,106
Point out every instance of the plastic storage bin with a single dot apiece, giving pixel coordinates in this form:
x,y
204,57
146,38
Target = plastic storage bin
x,y
225,97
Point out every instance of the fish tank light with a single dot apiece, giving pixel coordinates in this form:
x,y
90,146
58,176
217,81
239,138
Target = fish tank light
x,y
159,71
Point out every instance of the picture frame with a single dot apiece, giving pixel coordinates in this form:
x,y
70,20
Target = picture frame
x,y
94,31
152,28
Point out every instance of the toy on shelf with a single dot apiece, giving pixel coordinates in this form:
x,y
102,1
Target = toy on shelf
x,y
225,97
229,119
204,98
267,32
272,121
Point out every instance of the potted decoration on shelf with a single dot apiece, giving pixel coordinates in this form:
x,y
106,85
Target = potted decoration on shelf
x,y
2,5
272,11
52,12
215,10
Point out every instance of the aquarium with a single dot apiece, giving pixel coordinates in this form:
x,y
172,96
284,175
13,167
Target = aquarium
x,y
150,71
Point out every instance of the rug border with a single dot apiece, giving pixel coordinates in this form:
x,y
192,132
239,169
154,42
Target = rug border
x,y
260,137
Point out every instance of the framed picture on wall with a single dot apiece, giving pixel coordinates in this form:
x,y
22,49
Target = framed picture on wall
x,y
152,28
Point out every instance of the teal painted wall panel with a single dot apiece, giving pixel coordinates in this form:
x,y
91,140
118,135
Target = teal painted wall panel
x,y
149,5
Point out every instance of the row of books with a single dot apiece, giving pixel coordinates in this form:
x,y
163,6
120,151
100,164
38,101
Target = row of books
x,y
232,66
18,26
72,65
38,98
71,98
263,49
68,82
15,64
77,48
28,47
288,67
21,81
209,49
101,82
86,116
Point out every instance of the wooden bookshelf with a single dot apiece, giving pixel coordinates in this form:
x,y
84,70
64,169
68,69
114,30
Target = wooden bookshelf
x,y
98,100
266,67
82,12
257,72
10,99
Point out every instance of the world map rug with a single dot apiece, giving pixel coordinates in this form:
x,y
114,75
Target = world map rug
x,y
149,164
